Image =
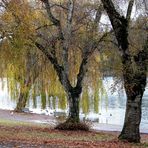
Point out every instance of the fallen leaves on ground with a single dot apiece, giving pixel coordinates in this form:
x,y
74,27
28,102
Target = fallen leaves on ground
x,y
38,137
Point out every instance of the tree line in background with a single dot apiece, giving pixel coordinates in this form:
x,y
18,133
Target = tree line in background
x,y
62,47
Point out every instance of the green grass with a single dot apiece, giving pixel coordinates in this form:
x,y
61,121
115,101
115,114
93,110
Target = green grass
x,y
11,123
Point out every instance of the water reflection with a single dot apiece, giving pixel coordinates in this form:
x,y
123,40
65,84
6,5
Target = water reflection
x,y
100,106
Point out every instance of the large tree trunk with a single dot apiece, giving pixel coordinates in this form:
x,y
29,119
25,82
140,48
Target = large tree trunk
x,y
73,121
134,84
73,109
132,120
134,71
73,100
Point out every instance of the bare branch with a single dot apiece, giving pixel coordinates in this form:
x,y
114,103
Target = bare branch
x,y
44,26
54,20
111,10
89,49
119,24
146,6
129,10
98,14
58,5
68,32
63,78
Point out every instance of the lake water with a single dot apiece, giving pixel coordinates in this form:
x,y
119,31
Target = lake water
x,y
108,109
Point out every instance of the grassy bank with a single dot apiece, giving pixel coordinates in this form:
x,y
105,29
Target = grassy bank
x,y
20,134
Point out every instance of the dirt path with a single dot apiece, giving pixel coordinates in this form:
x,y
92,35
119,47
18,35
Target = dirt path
x,y
27,117
52,121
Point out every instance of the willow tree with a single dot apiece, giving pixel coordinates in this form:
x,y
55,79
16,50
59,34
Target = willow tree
x,y
21,67
134,77
65,32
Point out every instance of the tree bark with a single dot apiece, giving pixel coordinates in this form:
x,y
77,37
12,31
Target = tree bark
x,y
134,78
134,84
73,109
65,37
21,101
23,96
130,131
73,99
32,72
